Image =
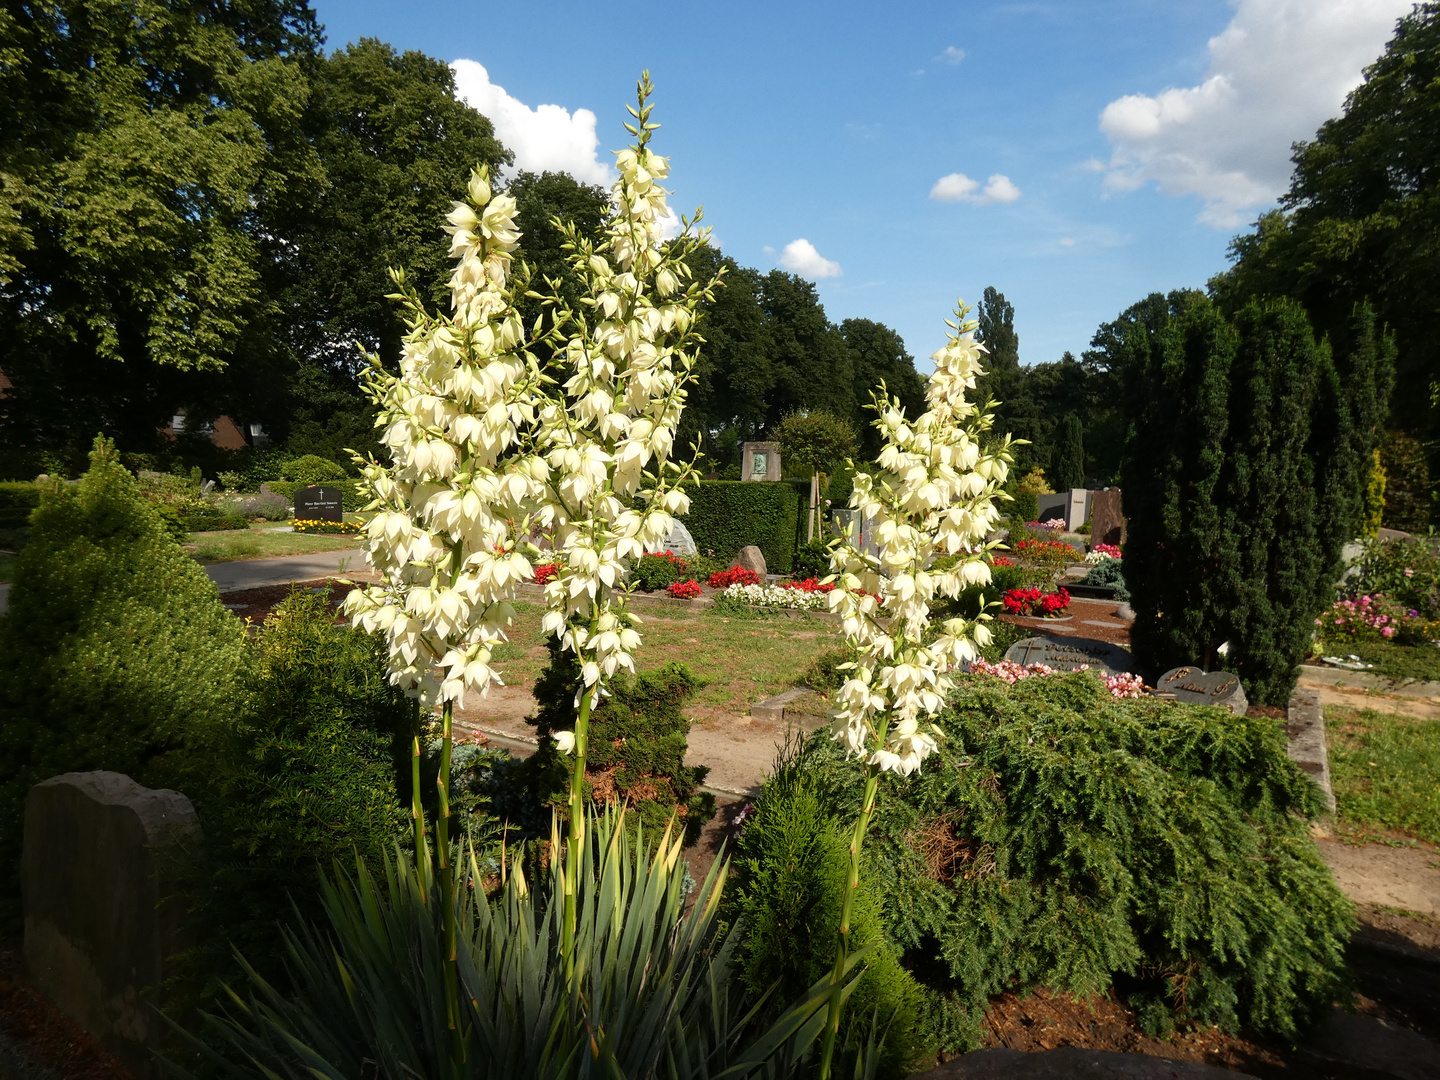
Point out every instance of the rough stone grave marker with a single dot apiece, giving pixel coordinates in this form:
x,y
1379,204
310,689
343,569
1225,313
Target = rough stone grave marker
x,y
680,543
753,559
1197,687
1107,521
319,504
760,461
1071,654
103,874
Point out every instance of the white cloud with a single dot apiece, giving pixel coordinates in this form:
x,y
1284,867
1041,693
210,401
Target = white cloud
x,y
800,257
1277,72
547,137
952,55
957,187
1067,241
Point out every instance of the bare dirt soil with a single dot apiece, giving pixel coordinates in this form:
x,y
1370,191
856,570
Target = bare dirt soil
x,y
39,1033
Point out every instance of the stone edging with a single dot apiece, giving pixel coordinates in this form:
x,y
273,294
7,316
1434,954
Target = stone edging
x,y
1367,681
1306,747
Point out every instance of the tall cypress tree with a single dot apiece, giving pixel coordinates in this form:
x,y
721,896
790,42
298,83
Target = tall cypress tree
x,y
1242,480
1069,469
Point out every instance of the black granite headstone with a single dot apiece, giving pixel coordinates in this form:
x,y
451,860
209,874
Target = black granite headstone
x,y
1071,654
319,504
1197,687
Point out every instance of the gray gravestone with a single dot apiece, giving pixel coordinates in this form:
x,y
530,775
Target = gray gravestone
x,y
760,461
680,542
319,504
102,874
1196,687
1071,654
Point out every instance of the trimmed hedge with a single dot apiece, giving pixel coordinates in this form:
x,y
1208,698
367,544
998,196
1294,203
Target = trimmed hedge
x,y
350,498
727,515
19,495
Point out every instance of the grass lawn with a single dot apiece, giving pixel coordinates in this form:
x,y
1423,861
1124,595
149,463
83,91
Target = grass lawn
x,y
262,541
1386,770
738,661
1400,662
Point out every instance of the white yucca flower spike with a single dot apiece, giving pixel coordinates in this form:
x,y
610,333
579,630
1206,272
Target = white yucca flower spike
x,y
607,430
453,506
932,495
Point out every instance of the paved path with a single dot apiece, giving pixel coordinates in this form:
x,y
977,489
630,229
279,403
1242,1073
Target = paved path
x,y
257,573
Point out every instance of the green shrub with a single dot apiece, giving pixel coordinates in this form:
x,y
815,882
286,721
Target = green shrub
x,y
19,495
351,501
1063,838
312,469
726,516
1026,506
1109,572
977,598
303,772
654,572
115,649
637,744
786,895
1408,488
211,518
812,560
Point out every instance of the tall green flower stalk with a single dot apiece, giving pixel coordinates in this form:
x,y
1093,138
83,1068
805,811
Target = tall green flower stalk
x,y
607,432
452,508
932,495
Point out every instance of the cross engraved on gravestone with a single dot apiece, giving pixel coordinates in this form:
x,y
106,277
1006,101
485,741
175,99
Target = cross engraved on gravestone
x,y
319,504
1070,654
1197,687
680,543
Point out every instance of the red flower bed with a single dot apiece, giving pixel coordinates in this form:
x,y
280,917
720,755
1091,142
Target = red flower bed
x,y
808,585
1032,604
545,571
1001,560
684,590
736,575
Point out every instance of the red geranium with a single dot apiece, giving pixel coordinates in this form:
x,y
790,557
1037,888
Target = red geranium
x,y
1030,603
684,590
810,585
736,575
545,571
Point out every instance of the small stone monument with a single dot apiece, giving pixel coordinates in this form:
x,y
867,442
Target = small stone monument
x,y
319,504
1196,687
1075,504
1071,654
103,877
760,461
1107,522
680,543
753,559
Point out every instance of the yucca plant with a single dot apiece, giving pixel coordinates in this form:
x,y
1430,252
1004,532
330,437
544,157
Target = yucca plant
x,y
652,994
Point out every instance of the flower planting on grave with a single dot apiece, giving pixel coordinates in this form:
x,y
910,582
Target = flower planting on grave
x,y
785,595
1032,603
735,575
1048,841
1387,612
652,573
328,528
1111,572
1008,671
1100,552
1053,554
684,590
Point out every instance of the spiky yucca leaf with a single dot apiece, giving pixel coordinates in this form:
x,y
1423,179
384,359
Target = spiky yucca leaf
x,y
652,997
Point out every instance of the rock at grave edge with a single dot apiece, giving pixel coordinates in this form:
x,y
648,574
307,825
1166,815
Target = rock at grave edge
x,y
751,558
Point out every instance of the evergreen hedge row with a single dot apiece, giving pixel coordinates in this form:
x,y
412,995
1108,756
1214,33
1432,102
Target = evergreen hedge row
x,y
727,515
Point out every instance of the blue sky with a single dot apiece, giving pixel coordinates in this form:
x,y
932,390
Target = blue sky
x,y
1076,155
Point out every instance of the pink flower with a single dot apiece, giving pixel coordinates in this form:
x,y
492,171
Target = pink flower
x,y
1389,631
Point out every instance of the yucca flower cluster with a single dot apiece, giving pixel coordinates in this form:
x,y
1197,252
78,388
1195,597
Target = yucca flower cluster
x,y
608,437
452,509
933,495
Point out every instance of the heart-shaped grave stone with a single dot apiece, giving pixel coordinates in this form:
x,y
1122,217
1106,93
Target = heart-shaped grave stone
x,y
1196,686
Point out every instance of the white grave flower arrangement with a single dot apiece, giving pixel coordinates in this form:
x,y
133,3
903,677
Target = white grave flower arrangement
x,y
932,496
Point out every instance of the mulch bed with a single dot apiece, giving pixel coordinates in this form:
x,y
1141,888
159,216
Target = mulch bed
x,y
1088,619
255,604
44,1036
